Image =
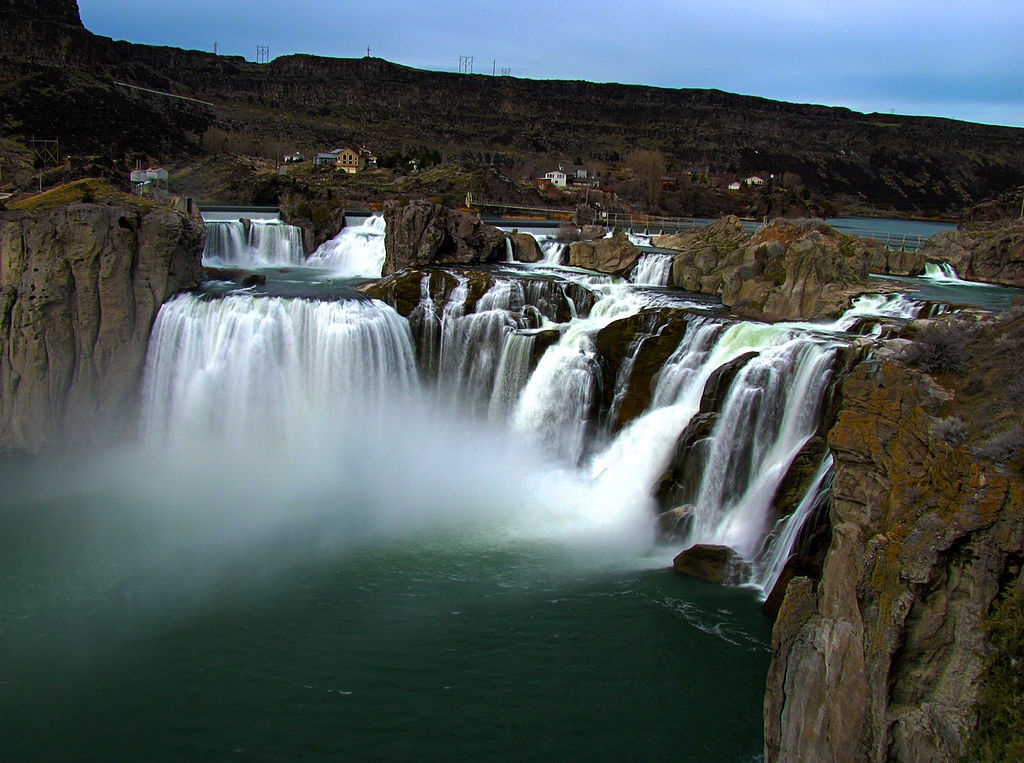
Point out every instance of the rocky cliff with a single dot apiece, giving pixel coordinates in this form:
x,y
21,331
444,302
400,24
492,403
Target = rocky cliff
x,y
882,658
989,252
904,163
80,285
793,269
422,233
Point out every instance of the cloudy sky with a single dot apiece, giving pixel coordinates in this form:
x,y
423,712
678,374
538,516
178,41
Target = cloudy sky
x,y
947,58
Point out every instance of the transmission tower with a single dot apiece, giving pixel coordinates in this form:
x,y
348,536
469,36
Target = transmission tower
x,y
466,64
262,54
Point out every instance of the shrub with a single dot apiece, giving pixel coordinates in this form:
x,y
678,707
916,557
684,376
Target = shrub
x,y
942,347
1002,447
568,232
951,430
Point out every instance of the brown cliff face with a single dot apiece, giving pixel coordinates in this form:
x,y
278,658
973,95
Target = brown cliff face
x,y
881,658
80,287
790,269
615,255
50,11
421,233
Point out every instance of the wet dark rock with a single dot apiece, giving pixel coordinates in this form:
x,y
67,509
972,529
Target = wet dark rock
x,y
525,248
716,564
716,388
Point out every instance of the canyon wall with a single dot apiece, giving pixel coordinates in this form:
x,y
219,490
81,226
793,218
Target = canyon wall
x,y
80,287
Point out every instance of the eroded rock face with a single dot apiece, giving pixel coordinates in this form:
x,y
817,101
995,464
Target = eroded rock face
x,y
992,253
702,252
880,659
790,269
420,233
52,11
82,284
615,255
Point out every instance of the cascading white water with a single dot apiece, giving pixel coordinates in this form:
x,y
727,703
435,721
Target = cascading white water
x,y
783,537
214,362
771,411
556,403
246,366
553,249
653,269
256,243
356,251
941,271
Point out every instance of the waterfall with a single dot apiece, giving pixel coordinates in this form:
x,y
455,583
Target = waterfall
x,y
244,367
784,536
771,411
553,249
356,251
941,271
514,352
252,243
653,269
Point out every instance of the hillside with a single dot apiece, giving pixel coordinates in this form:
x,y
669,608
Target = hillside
x,y
57,80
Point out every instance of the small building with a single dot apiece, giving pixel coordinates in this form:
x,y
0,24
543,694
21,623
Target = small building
x,y
556,177
327,158
149,182
754,180
735,186
349,161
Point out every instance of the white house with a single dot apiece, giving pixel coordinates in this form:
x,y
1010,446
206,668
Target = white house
x,y
735,186
557,177
754,180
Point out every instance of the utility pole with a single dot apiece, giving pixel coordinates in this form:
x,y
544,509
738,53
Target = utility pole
x,y
214,47
466,64
262,54
367,51
493,62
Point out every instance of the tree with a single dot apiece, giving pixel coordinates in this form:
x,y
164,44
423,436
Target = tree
x,y
649,167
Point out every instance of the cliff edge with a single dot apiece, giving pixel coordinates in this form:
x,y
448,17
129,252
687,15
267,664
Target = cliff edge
x,y
883,658
81,281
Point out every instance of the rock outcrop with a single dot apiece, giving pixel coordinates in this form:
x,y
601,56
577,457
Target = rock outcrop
x,y
716,564
881,659
51,11
993,253
615,254
702,251
790,269
80,287
421,233
525,248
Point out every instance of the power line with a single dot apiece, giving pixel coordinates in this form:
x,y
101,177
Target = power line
x,y
262,54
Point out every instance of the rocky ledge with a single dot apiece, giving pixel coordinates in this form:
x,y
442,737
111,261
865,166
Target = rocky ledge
x,y
884,656
421,233
789,269
81,282
989,252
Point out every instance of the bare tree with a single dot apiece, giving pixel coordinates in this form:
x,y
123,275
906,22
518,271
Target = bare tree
x,y
649,167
